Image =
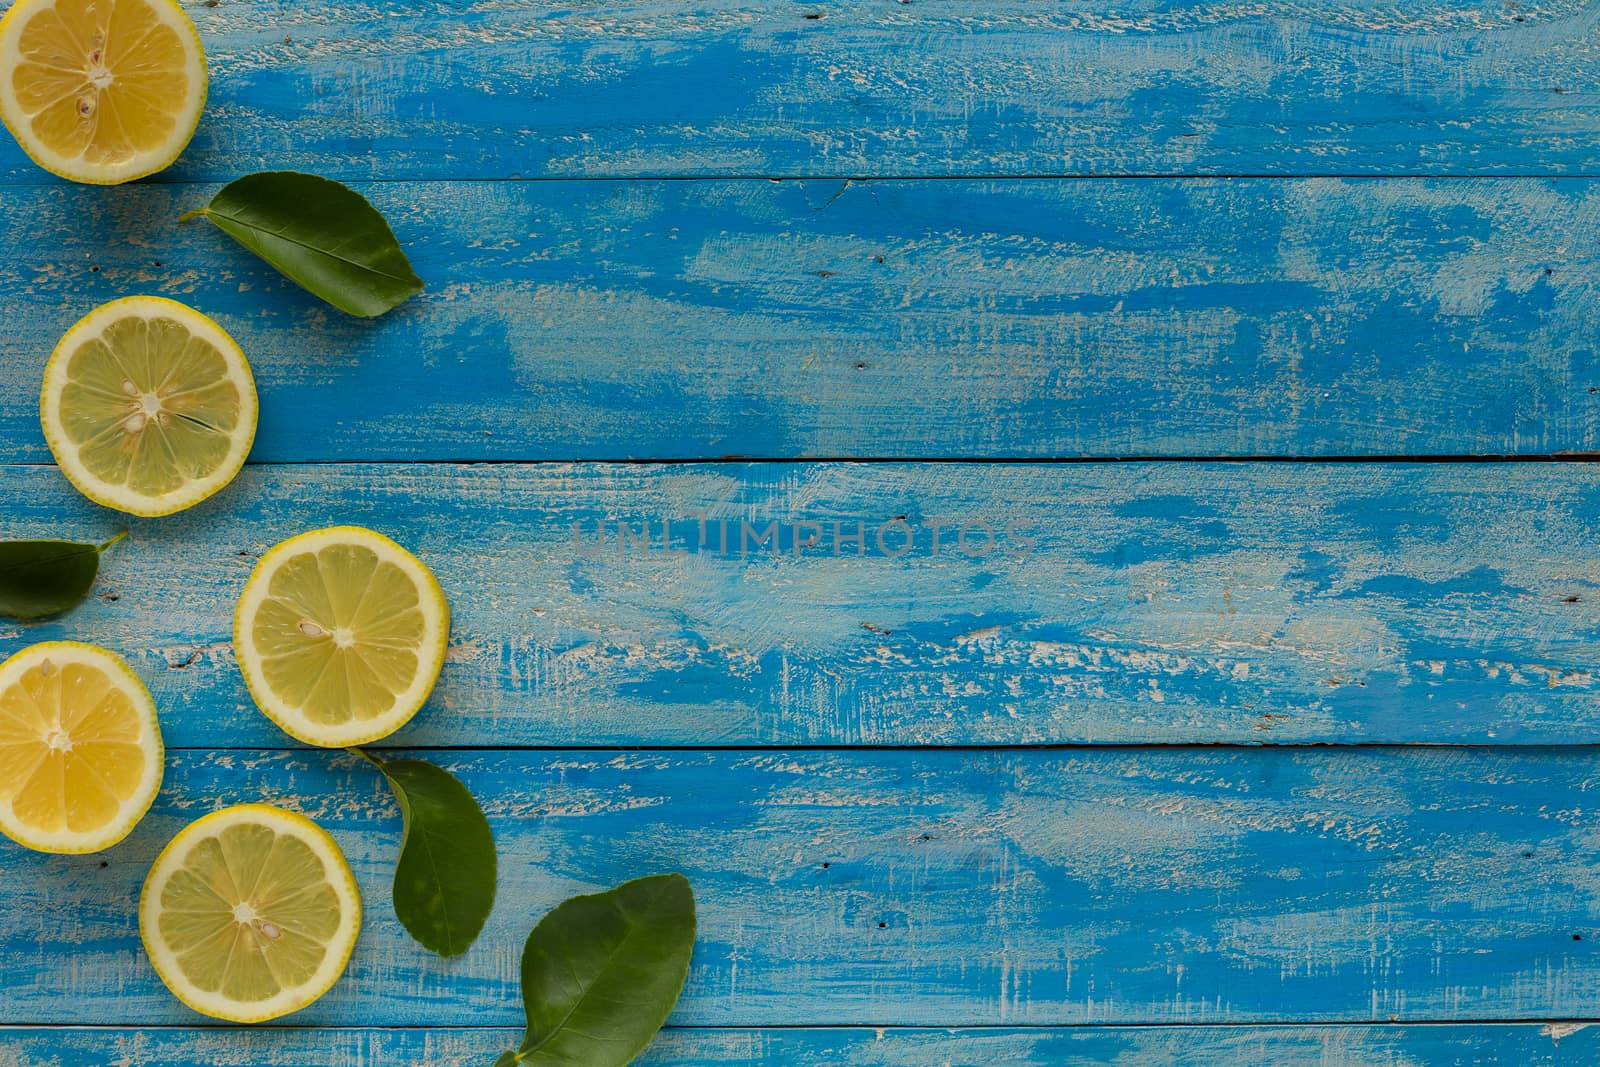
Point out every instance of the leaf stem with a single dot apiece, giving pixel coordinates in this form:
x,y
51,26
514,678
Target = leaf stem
x,y
114,540
196,213
362,753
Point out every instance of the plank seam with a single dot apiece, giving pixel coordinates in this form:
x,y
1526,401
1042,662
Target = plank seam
x,y
1395,1024
1153,176
1574,458
1052,746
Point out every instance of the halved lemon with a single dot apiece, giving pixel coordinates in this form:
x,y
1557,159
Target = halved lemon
x,y
340,634
250,913
148,405
80,748
101,91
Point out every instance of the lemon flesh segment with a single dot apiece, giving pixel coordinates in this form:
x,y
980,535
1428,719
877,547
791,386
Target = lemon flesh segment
x,y
101,91
340,634
250,913
148,406
80,748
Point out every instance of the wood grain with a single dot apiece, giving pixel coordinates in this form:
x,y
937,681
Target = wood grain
x,y
532,88
931,888
1506,1045
1158,602
697,320
984,262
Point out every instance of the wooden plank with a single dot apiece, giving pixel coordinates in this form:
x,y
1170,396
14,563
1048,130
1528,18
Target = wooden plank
x,y
1158,602
697,320
931,888
1500,1045
531,88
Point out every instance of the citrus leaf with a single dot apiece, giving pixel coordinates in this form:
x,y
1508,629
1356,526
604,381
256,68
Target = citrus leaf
x,y
42,578
601,973
321,235
444,879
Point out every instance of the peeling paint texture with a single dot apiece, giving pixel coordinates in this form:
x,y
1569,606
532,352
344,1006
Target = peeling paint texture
x,y
902,319
1155,602
527,88
1065,520
936,887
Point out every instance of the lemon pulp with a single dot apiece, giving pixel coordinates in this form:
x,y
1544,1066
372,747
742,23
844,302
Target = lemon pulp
x,y
341,634
148,405
80,749
250,913
101,91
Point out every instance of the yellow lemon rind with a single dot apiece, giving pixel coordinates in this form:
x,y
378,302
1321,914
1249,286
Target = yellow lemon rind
x,y
427,675
16,123
92,325
134,809
341,878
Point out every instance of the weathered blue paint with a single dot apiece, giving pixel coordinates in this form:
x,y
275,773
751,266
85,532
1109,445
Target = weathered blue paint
x,y
535,88
931,888
1510,1045
696,320
979,304
1118,602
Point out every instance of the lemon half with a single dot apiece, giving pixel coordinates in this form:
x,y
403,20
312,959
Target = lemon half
x,y
250,913
80,748
340,634
101,91
148,406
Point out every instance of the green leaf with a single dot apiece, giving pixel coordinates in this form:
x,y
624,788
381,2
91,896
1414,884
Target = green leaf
x,y
322,235
41,578
444,879
601,973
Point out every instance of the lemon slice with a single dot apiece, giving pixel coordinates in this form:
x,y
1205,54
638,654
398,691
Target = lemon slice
x,y
250,913
340,634
80,748
148,405
101,91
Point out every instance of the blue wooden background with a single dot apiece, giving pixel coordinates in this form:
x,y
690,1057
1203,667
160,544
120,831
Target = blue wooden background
x,y
1264,338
